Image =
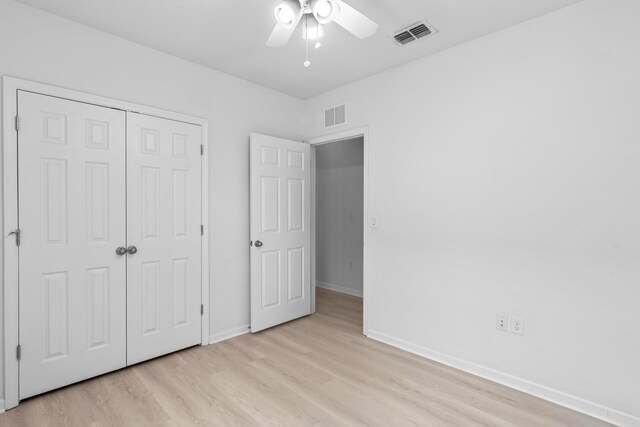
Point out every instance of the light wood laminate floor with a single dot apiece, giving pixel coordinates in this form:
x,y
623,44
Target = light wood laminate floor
x,y
319,370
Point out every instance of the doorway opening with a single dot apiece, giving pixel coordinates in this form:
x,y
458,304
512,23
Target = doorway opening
x,y
283,224
339,216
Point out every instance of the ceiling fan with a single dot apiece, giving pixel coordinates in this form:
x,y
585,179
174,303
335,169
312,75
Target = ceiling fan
x,y
315,13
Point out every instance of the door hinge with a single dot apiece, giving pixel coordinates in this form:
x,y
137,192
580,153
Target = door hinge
x,y
201,229
201,309
18,352
17,123
202,149
16,233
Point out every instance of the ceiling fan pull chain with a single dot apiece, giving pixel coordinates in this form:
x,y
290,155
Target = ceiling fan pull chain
x,y
318,44
306,40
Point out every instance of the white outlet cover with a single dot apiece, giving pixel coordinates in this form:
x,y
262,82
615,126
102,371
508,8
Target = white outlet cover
x,y
516,325
502,323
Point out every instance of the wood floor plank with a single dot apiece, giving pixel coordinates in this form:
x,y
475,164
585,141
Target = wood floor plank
x,y
316,371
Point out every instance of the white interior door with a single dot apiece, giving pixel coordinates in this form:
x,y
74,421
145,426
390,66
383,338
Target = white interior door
x,y
164,275
72,219
280,231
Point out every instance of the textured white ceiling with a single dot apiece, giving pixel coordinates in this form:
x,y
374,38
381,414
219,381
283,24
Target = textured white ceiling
x,y
230,35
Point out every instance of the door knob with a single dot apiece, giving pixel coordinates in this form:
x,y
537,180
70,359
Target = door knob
x,y
121,251
132,250
258,244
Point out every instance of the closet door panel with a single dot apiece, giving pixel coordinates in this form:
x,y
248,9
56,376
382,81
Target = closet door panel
x,y
72,218
164,219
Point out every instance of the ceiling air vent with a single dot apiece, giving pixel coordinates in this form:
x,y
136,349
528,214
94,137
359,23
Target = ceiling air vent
x,y
413,33
335,116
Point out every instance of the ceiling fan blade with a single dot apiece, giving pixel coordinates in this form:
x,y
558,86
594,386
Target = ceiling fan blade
x,y
280,35
354,21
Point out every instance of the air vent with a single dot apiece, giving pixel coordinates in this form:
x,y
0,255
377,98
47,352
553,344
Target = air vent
x,y
413,33
404,37
335,116
420,31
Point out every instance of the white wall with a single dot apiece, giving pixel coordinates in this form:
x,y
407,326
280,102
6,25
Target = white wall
x,y
514,158
505,176
339,212
41,47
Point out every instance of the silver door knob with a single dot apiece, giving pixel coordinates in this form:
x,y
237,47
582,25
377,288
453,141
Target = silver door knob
x,y
121,250
258,244
132,250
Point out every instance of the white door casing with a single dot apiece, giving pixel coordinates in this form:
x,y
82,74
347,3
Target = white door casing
x,y
164,220
72,217
280,197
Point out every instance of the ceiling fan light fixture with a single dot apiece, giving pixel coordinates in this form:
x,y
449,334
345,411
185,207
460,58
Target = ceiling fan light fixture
x,y
287,12
324,10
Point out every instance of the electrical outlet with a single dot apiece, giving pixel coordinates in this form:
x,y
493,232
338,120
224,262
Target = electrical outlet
x,y
516,325
502,323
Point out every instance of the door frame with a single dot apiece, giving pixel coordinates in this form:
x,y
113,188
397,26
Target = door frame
x,y
328,139
10,301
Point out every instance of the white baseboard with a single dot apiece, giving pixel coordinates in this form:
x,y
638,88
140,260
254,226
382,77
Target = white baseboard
x,y
558,397
228,334
341,289
1,406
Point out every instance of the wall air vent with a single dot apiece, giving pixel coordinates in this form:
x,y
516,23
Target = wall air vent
x,y
413,32
335,116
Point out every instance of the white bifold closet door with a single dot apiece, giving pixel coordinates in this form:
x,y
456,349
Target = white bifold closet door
x,y
110,252
164,218
72,216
